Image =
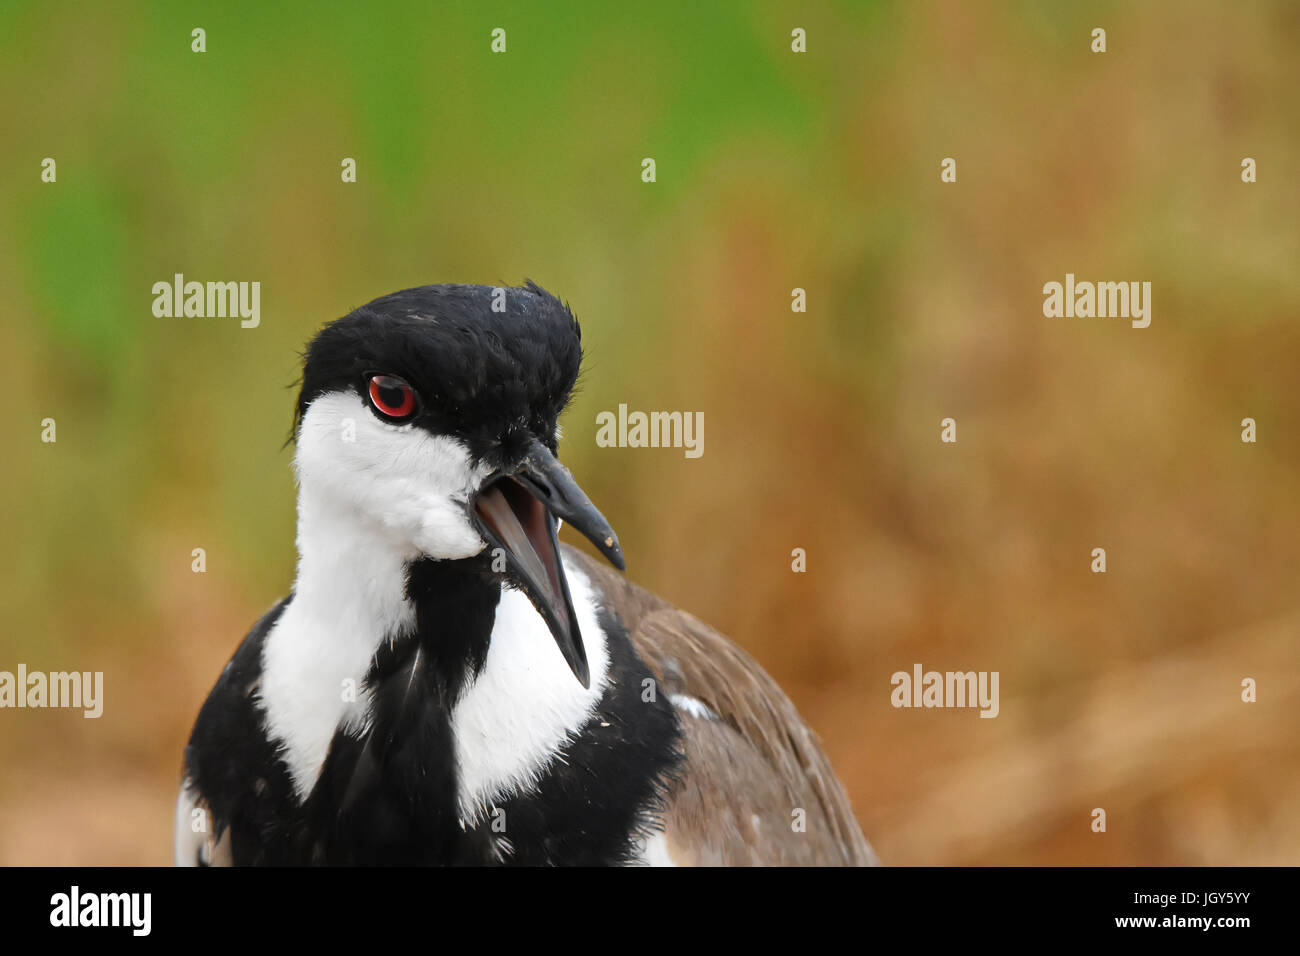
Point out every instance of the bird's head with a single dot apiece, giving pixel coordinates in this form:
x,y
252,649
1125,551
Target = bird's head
x,y
430,417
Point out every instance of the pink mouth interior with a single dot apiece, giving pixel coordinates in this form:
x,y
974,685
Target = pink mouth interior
x,y
520,522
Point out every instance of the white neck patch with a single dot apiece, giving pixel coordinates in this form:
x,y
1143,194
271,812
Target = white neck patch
x,y
525,704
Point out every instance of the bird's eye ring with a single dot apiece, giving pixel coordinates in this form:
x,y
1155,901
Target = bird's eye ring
x,y
392,398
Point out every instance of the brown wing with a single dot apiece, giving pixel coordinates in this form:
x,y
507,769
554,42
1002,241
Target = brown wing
x,y
751,761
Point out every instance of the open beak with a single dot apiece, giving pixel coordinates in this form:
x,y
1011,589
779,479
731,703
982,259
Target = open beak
x,y
517,512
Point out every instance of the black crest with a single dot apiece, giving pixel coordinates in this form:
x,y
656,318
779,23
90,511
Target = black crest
x,y
489,363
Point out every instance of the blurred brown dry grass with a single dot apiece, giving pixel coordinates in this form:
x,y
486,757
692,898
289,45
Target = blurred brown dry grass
x,y
1119,691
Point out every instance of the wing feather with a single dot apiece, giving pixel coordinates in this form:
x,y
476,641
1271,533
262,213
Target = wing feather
x,y
751,762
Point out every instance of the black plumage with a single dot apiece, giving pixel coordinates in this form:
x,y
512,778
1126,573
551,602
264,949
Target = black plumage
x,y
491,378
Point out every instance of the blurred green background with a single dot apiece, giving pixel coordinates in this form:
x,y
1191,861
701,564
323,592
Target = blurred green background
x,y
775,170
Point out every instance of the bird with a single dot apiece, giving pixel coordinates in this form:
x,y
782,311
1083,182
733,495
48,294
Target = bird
x,y
446,683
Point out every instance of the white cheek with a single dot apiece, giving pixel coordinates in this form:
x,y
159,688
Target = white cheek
x,y
414,486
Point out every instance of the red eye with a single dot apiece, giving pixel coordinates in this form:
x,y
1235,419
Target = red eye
x,y
392,397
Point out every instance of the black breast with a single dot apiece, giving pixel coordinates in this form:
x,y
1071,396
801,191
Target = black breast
x,y
390,795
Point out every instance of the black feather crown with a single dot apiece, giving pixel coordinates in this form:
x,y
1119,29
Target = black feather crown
x,y
492,365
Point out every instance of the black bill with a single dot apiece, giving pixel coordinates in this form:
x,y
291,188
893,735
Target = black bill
x,y
517,513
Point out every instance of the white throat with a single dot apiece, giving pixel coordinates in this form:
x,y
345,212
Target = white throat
x,y
349,597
